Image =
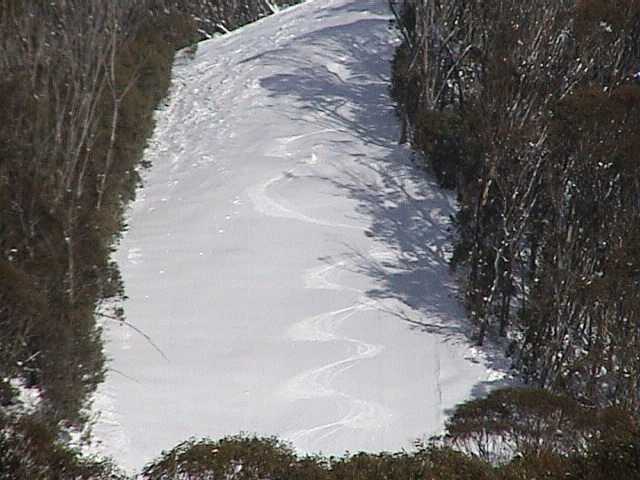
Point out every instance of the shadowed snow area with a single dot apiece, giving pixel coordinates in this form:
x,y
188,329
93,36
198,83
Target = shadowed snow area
x,y
286,255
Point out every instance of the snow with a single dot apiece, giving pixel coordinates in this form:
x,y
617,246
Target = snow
x,y
286,254
28,400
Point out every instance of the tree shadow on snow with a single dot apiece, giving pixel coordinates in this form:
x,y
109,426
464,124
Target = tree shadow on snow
x,y
409,212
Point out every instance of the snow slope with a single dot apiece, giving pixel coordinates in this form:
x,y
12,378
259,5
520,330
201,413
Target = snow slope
x,y
286,255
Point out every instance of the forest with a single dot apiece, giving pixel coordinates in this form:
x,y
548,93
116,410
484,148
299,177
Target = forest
x,y
529,111
79,82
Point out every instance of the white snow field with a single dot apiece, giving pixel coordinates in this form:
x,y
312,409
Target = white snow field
x,y
286,255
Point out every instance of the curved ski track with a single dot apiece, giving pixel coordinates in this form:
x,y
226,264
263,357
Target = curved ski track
x,y
325,327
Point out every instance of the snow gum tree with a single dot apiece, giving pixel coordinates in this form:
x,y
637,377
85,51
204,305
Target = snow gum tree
x,y
79,80
530,110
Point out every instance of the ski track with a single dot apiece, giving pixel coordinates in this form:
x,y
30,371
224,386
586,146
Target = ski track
x,y
317,382
266,205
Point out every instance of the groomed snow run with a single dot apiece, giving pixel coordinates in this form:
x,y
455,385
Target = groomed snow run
x,y
286,255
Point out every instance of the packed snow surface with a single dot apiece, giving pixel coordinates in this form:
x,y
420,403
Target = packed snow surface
x,y
286,255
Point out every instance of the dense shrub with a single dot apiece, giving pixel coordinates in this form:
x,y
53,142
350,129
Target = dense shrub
x,y
515,422
608,459
252,458
30,450
240,457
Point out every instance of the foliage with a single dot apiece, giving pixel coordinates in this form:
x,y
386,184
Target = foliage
x,y
29,450
530,109
608,459
237,457
252,458
524,422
